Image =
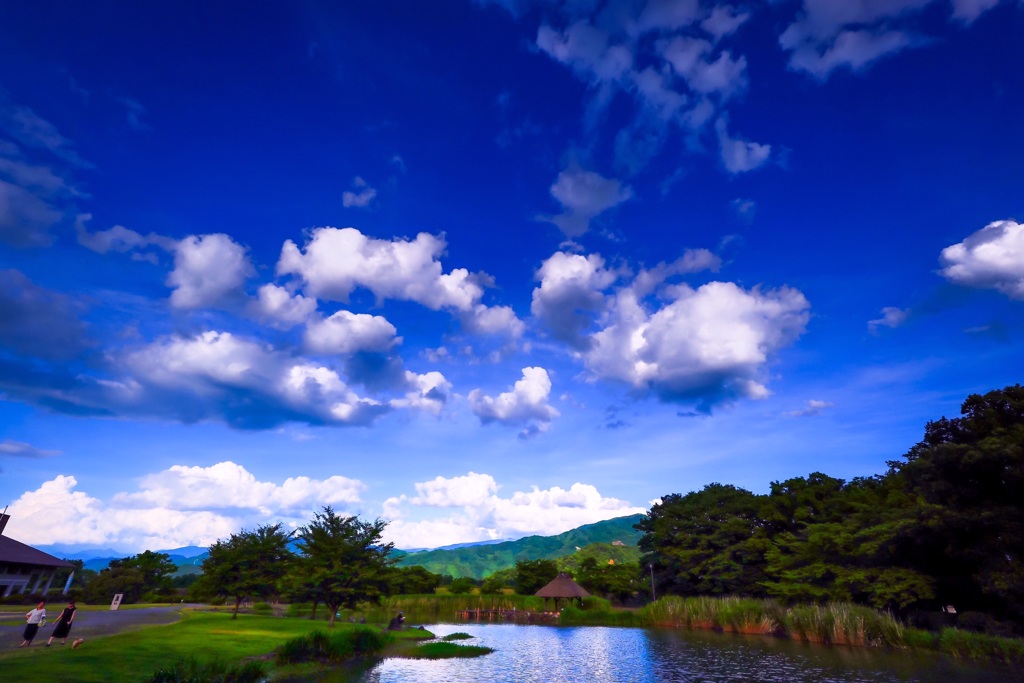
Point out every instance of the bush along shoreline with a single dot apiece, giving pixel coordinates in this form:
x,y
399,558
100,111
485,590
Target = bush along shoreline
x,y
827,624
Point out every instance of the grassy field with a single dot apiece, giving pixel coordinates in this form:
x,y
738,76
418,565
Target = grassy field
x,y
134,656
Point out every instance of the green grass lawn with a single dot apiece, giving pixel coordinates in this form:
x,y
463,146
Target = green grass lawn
x,y
136,655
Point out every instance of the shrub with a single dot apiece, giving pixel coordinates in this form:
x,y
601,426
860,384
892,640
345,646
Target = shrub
x,y
263,608
965,645
596,604
334,647
979,622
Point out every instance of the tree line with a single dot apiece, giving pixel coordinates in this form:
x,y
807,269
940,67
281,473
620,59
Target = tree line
x,y
943,527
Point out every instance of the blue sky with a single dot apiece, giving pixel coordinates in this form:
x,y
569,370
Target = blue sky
x,y
487,269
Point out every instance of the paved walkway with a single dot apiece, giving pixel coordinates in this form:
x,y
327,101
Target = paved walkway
x,y
87,624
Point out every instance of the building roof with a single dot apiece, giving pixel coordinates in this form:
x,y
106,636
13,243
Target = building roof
x,y
562,587
15,552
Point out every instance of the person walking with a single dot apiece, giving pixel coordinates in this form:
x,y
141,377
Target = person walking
x,y
35,619
62,627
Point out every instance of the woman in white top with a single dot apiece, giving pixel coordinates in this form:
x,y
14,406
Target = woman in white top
x,y
35,619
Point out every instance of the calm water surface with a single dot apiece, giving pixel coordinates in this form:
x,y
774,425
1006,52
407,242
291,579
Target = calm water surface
x,y
591,654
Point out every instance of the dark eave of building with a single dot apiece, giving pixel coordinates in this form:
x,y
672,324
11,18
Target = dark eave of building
x,y
15,552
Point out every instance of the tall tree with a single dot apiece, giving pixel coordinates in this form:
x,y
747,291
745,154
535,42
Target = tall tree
x,y
249,564
132,576
532,575
343,561
967,474
834,540
708,542
412,580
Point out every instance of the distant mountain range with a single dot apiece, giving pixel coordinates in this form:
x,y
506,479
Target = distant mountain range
x,y
482,560
475,560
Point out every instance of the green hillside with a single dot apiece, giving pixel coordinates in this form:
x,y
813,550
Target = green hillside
x,y
602,553
483,560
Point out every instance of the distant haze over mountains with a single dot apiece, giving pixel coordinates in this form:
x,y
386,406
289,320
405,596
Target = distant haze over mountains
x,y
476,559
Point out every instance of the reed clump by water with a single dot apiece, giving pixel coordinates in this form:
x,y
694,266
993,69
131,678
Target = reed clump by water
x,y
844,624
732,614
598,612
833,623
436,607
979,646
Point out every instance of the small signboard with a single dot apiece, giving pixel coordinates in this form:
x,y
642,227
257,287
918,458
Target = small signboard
x,y
117,601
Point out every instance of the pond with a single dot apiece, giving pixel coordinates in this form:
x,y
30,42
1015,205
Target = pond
x,y
592,654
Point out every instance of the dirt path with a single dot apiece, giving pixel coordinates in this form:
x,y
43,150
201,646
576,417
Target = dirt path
x,y
87,624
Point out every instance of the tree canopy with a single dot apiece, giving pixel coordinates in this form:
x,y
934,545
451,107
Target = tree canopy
x,y
944,525
249,564
342,561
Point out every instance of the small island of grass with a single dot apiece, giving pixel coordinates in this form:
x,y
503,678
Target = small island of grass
x,y
446,650
460,635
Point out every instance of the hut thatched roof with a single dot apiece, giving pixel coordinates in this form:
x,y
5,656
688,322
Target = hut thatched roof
x,y
562,587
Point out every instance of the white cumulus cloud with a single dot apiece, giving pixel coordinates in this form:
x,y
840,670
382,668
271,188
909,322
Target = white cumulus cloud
x,y
570,294
525,405
176,507
219,375
336,261
992,258
227,485
346,333
708,345
280,308
428,392
209,270
478,512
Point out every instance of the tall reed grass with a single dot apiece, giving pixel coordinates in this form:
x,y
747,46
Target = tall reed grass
x,y
966,645
844,624
737,615
432,608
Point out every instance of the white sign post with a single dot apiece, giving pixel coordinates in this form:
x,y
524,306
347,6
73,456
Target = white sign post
x,y
117,601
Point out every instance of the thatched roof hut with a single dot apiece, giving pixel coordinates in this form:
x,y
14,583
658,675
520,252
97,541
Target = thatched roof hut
x,y
563,588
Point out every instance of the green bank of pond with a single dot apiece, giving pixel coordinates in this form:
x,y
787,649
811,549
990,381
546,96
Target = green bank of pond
x,y
200,639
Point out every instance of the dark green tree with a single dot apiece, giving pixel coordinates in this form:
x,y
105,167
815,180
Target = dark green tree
x,y
342,561
462,585
250,564
967,479
492,585
127,581
532,575
613,581
156,569
708,542
835,540
413,580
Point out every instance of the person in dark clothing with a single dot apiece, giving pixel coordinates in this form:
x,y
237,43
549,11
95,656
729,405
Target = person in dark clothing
x,y
62,627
